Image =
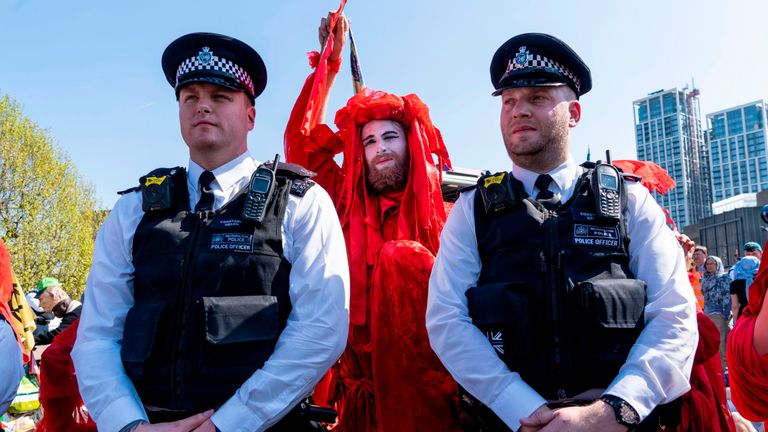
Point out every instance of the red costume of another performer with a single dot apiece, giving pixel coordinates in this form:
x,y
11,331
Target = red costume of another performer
x,y
388,378
63,409
747,352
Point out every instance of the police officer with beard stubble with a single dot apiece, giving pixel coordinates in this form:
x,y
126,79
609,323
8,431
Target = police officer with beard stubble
x,y
217,296
559,299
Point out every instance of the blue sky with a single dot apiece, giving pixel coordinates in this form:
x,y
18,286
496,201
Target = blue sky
x,y
89,72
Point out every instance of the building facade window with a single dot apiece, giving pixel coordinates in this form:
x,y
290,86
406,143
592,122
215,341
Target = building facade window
x,y
753,117
735,124
718,126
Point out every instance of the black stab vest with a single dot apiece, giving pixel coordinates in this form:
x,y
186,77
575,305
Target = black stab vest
x,y
555,296
211,299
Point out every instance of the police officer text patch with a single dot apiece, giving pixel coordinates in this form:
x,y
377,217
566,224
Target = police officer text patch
x,y
232,242
591,235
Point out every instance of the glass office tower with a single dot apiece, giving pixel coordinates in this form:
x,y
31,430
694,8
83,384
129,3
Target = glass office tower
x,y
738,151
668,132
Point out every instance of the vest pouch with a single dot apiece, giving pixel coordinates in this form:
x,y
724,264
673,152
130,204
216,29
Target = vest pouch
x,y
238,319
240,335
139,347
611,317
501,312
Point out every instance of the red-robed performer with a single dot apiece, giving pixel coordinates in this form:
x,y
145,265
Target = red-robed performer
x,y
747,352
387,194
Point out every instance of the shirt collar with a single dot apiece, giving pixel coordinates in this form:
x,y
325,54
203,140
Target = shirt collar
x,y
564,177
227,176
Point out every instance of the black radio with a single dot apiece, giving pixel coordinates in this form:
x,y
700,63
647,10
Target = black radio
x,y
607,189
260,191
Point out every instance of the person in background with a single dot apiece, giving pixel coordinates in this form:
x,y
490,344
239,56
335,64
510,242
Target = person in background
x,y
55,300
699,257
696,258
742,275
715,286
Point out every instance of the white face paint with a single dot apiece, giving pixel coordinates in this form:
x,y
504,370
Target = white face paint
x,y
386,155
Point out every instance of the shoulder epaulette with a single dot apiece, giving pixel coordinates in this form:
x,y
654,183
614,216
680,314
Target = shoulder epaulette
x,y
157,173
300,186
631,177
129,190
291,170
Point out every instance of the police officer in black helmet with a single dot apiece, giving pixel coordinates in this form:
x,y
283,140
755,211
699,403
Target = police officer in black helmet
x,y
216,300
559,299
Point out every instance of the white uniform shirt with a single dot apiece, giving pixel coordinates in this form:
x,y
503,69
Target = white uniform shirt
x,y
659,365
313,339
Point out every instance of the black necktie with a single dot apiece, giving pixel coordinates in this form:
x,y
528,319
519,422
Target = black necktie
x,y
206,193
542,184
545,196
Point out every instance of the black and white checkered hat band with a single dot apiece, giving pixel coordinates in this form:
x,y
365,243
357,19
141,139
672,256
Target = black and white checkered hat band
x,y
219,64
539,61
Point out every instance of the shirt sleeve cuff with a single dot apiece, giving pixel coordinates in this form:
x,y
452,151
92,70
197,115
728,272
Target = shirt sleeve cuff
x,y
119,414
516,402
236,416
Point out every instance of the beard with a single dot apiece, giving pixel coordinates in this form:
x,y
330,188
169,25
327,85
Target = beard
x,y
390,179
550,143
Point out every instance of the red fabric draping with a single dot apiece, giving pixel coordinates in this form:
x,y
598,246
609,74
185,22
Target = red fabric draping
x,y
421,215
748,370
653,177
63,409
705,406
398,323
369,221
421,211
6,291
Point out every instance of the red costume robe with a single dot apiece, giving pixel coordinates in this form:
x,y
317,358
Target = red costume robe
x,y
63,409
388,379
748,370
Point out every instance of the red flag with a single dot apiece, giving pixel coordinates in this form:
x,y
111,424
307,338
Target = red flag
x,y
296,139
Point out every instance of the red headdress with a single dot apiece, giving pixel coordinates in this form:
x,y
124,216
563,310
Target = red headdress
x,y
421,212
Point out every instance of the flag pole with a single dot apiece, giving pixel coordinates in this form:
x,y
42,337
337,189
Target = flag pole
x,y
358,83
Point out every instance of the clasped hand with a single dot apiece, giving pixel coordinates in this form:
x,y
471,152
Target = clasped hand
x,y
595,417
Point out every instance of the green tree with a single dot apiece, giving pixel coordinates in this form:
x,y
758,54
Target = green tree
x,y
48,216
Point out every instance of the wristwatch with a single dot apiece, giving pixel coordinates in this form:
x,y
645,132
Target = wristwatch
x,y
625,414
